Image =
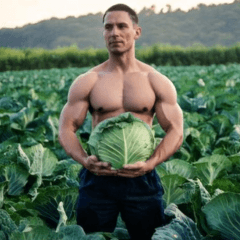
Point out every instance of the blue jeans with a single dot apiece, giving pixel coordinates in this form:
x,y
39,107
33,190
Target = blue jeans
x,y
138,200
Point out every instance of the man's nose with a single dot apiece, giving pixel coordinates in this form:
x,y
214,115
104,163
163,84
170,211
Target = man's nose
x,y
114,31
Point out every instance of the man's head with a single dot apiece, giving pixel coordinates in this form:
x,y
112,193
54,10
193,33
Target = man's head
x,y
125,8
120,29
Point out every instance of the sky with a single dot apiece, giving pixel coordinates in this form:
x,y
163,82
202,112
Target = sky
x,y
17,13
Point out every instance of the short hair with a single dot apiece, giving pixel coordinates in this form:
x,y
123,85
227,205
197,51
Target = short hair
x,y
125,8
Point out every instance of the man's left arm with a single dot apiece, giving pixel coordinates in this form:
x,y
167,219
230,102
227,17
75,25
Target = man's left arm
x,y
170,117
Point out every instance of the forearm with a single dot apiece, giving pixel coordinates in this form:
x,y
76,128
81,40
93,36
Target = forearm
x,y
167,147
72,146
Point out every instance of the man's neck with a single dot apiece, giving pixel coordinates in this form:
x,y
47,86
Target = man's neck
x,y
123,63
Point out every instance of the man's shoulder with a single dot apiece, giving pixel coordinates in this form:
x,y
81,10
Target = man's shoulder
x,y
152,73
160,83
91,74
83,84
145,67
86,79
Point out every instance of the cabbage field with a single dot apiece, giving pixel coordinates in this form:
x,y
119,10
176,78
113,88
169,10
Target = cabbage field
x,y
39,182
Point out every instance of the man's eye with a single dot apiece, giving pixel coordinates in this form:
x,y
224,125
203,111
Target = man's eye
x,y
107,27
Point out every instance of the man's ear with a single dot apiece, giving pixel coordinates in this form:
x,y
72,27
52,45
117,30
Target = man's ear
x,y
138,31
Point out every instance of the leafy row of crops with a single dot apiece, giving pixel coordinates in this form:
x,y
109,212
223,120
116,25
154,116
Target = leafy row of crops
x,y
160,54
39,182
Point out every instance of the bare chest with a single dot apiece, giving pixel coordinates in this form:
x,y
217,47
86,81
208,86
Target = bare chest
x,y
132,93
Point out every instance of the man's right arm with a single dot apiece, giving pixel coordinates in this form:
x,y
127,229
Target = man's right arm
x,y
72,117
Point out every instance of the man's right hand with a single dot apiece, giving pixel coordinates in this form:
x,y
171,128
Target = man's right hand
x,y
99,168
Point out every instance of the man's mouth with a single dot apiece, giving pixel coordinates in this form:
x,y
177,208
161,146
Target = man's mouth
x,y
114,42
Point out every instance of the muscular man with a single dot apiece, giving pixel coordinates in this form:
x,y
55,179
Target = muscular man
x,y
121,84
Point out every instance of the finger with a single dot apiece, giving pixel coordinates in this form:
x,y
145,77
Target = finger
x,y
102,165
132,167
93,162
127,175
93,158
128,171
106,173
131,172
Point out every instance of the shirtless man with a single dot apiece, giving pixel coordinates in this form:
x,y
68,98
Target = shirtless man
x,y
121,84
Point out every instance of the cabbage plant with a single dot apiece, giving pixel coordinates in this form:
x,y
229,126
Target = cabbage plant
x,y
121,140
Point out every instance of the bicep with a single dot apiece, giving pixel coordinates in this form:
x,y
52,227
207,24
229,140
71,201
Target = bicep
x,y
169,115
168,112
75,111
73,115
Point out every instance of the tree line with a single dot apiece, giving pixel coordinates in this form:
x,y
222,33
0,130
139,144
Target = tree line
x,y
165,55
204,25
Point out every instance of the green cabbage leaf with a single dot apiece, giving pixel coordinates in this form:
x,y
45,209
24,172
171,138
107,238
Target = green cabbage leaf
x,y
223,215
181,227
122,140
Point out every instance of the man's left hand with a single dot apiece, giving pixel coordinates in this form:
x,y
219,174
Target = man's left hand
x,y
135,170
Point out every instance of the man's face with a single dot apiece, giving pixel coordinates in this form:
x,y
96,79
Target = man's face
x,y
120,32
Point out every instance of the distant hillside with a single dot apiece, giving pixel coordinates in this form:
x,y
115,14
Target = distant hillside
x,y
206,25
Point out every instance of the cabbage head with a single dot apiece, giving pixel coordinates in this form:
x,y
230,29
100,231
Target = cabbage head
x,y
121,140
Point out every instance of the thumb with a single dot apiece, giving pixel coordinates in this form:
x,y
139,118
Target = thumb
x,y
93,158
